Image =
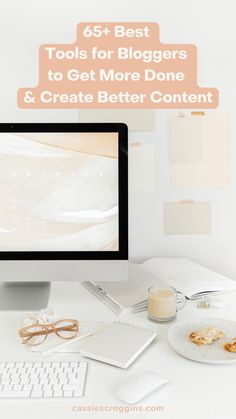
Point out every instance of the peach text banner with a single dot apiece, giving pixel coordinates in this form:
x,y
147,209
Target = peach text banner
x,y
118,65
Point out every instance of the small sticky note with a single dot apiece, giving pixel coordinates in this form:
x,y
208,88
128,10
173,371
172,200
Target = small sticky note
x,y
187,217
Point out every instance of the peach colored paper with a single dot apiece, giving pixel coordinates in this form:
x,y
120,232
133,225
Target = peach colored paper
x,y
199,152
187,217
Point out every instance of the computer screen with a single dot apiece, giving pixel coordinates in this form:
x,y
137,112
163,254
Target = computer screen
x,y
59,191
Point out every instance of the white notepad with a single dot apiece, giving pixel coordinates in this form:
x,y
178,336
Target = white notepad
x,y
118,344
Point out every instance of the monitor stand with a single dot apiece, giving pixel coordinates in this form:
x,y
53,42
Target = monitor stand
x,y
26,296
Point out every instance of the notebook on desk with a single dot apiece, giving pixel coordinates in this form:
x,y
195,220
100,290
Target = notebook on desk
x,y
118,344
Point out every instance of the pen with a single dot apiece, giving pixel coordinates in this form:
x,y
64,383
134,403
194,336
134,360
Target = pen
x,y
62,345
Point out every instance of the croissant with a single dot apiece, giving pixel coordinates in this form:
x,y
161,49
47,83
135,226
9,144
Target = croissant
x,y
206,336
231,346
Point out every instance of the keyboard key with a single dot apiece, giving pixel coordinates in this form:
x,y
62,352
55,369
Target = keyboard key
x,y
37,387
65,364
14,376
44,381
69,387
46,364
25,381
5,376
7,387
48,394
52,375
62,380
36,393
6,381
28,364
38,364
53,380
15,394
19,365
55,364
18,387
57,387
58,394
74,381
78,393
33,380
47,387
68,393
27,387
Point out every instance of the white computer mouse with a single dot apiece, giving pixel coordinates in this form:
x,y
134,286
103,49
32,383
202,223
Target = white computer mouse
x,y
135,388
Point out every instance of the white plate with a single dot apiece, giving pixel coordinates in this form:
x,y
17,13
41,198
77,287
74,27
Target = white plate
x,y
214,353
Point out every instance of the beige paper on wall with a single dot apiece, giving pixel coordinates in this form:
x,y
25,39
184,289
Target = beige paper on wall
x,y
199,150
141,167
136,119
187,217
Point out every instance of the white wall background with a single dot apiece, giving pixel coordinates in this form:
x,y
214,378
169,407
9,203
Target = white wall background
x,y
210,24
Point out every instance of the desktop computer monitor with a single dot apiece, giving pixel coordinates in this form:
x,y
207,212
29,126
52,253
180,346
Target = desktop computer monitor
x,y
63,208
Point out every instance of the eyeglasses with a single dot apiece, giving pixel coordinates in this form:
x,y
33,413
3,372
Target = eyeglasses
x,y
37,333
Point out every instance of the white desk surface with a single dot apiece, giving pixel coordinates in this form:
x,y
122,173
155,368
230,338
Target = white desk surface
x,y
195,390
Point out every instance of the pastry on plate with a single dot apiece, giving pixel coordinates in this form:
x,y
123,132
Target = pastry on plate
x,y
231,346
206,336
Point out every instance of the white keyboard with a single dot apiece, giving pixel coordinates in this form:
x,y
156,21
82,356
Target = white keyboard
x,y
42,379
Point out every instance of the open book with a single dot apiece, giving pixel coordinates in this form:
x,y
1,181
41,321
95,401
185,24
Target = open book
x,y
191,279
